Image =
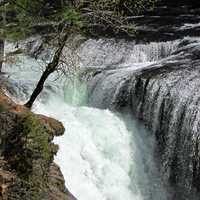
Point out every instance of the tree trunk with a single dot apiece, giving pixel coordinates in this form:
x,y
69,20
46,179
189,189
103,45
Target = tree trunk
x,y
62,3
2,36
51,67
1,53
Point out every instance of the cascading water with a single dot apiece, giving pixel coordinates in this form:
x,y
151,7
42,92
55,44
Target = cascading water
x,y
109,52
165,96
102,155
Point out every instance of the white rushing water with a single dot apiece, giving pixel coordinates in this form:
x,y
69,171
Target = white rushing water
x,y
101,157
108,52
95,153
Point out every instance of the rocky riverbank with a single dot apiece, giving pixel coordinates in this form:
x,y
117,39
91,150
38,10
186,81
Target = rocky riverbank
x,y
27,169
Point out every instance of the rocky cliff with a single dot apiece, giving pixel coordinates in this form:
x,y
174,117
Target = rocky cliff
x,y
27,170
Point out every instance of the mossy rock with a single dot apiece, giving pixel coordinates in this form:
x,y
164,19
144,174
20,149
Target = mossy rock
x,y
29,153
2,108
27,149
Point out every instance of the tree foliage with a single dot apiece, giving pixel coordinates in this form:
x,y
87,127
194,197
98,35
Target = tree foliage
x,y
23,15
86,15
112,15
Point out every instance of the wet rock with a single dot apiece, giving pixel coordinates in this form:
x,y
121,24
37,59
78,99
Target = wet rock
x,y
7,179
57,190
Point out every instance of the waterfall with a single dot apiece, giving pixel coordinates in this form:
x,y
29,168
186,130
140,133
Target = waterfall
x,y
111,52
103,155
100,158
165,96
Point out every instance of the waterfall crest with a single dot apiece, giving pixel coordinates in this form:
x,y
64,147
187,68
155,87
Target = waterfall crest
x,y
110,52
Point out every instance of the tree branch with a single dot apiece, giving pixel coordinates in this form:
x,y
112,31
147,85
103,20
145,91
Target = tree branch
x,y
50,68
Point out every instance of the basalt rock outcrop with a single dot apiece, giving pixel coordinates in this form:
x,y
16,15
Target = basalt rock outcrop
x,y
27,170
166,97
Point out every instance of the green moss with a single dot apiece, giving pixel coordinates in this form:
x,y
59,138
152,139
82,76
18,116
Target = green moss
x,y
37,137
2,108
33,144
31,157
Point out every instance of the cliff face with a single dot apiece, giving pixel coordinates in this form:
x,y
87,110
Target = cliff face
x,y
27,170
